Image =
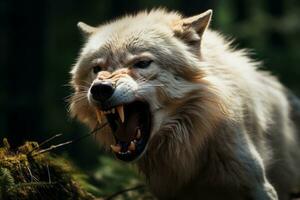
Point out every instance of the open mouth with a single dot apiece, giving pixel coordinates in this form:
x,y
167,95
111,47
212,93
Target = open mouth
x,y
130,124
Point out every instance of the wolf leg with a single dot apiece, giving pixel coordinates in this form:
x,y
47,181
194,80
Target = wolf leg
x,y
264,191
258,184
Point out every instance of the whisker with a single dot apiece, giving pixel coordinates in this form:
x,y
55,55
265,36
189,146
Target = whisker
x,y
145,79
141,79
77,100
71,85
87,82
81,93
83,86
145,86
149,84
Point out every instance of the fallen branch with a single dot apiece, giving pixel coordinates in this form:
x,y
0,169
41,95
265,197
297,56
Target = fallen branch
x,y
52,147
124,191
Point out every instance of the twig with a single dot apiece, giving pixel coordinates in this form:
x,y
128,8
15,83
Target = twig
x,y
44,142
124,191
32,184
48,171
48,140
30,174
91,133
52,147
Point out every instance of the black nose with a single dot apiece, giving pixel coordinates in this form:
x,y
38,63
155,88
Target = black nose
x,y
101,91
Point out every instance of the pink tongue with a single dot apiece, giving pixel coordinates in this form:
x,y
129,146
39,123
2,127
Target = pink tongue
x,y
127,130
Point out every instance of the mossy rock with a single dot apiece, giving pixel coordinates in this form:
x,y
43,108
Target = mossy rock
x,y
25,175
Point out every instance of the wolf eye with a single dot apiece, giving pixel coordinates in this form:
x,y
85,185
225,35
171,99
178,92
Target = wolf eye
x,y
142,64
96,69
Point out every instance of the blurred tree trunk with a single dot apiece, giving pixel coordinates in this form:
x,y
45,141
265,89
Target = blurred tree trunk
x,y
277,11
195,7
23,29
240,7
120,8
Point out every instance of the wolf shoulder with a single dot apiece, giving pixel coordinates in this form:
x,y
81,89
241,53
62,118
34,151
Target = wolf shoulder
x,y
266,109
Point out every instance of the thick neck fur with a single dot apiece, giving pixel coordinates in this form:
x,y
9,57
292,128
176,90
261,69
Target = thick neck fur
x,y
208,103
178,151
173,154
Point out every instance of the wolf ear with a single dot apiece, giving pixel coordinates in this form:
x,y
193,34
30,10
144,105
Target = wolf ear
x,y
198,22
191,29
85,29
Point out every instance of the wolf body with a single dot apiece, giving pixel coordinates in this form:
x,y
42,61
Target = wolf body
x,y
221,128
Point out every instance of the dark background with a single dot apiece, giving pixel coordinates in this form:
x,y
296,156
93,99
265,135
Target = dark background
x,y
39,42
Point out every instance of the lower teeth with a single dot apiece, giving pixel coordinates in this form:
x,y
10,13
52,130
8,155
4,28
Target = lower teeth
x,y
127,152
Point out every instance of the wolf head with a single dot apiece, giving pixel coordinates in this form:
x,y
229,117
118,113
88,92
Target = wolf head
x,y
145,75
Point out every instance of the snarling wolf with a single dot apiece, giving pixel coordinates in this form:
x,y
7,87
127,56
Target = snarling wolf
x,y
198,117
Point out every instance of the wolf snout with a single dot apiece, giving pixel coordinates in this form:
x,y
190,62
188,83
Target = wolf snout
x,y
102,91
106,94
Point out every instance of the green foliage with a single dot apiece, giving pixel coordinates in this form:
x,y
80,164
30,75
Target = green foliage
x,y
24,176
6,182
112,176
270,29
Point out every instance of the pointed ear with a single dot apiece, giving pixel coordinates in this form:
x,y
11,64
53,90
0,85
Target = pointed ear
x,y
191,29
198,22
85,29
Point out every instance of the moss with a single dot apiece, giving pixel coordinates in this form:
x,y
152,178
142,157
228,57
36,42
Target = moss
x,y
6,145
23,176
28,147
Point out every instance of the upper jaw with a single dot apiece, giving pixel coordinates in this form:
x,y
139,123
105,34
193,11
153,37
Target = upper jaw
x,y
129,118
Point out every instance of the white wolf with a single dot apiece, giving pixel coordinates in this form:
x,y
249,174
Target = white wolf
x,y
200,119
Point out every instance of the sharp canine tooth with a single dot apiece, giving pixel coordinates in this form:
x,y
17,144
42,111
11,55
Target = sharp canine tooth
x,y
138,134
113,110
120,110
131,146
116,148
99,116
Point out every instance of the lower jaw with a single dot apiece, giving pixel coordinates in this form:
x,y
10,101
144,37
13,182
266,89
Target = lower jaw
x,y
129,155
136,119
